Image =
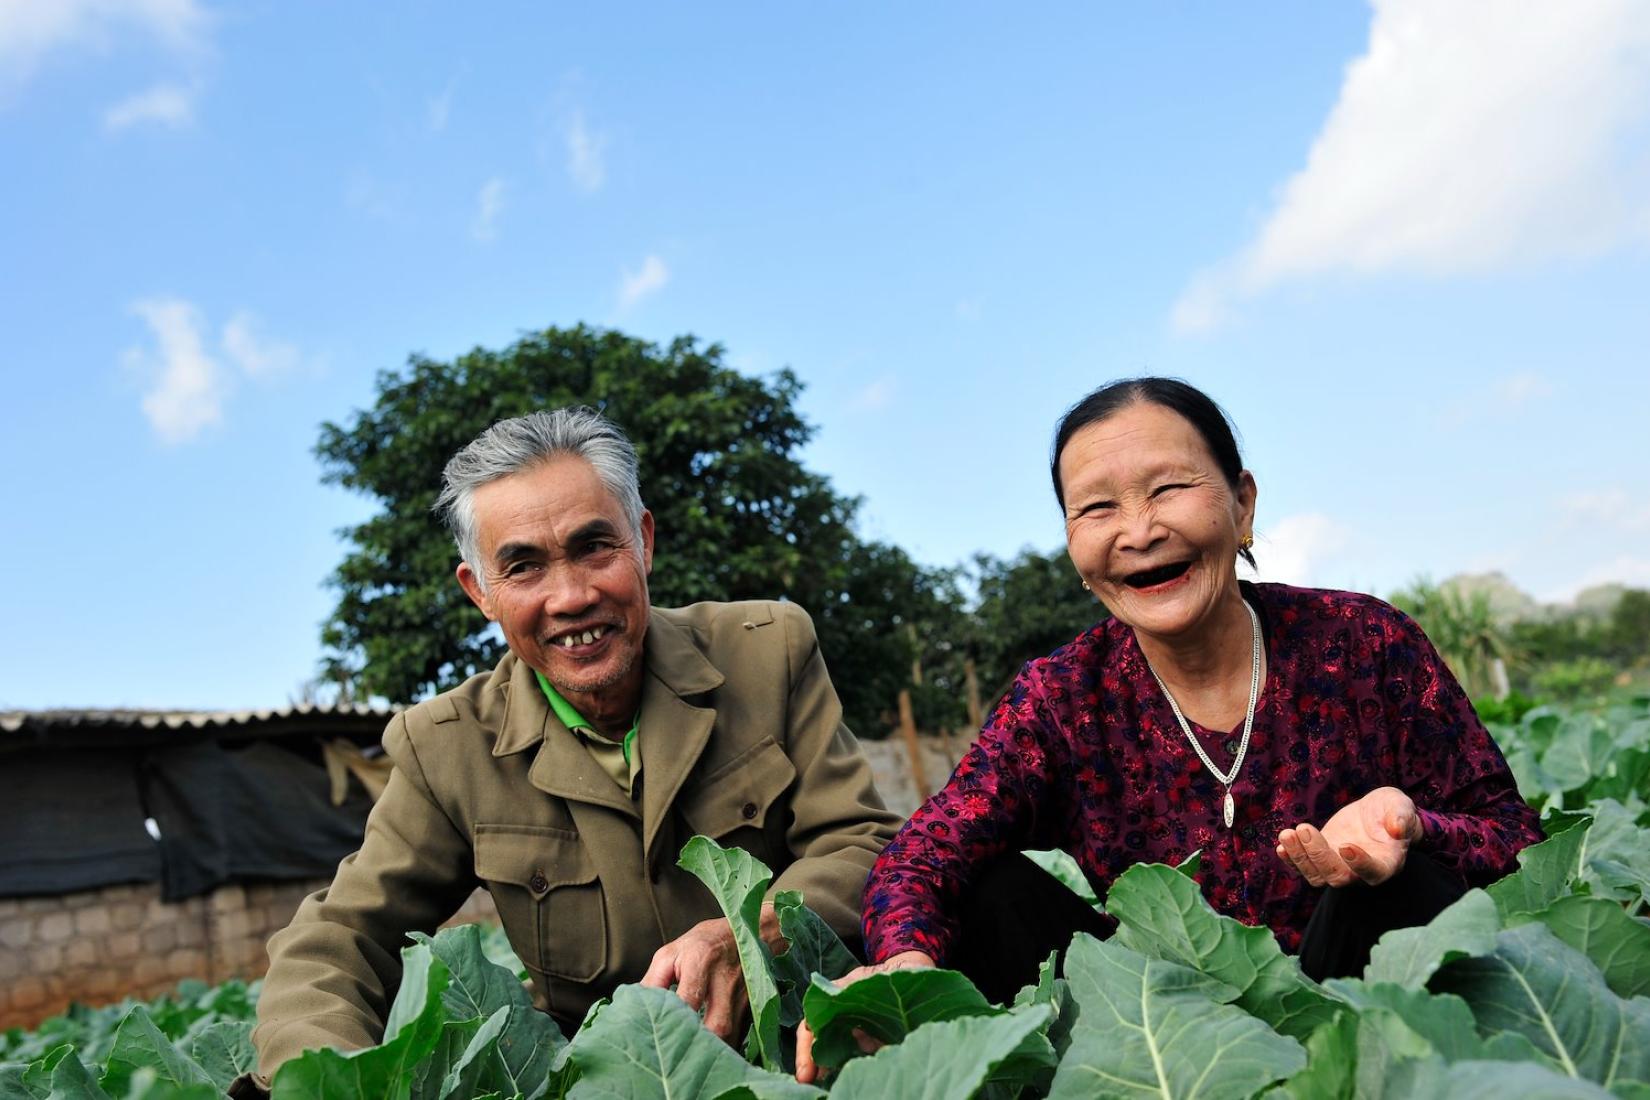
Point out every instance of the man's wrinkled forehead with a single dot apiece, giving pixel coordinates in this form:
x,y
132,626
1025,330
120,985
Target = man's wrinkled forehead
x,y
553,506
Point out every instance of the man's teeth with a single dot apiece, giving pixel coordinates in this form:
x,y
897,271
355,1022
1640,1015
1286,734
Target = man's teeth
x,y
568,641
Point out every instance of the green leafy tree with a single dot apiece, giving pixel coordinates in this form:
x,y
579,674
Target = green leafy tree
x,y
1627,634
737,514
1463,628
1027,606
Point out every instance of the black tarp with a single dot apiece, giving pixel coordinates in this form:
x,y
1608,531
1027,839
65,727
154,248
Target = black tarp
x,y
72,820
261,811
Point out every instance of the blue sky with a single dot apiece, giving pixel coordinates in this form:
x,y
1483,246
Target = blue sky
x,y
1406,245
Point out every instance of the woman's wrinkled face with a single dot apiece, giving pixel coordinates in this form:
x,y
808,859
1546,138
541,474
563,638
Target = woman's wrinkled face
x,y
1151,522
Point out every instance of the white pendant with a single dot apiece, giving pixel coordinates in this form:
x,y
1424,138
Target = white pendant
x,y
1230,807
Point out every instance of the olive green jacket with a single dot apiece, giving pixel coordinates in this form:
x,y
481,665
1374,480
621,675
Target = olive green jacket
x,y
742,740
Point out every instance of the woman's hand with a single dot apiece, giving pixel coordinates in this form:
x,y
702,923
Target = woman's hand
x,y
806,1071
1366,840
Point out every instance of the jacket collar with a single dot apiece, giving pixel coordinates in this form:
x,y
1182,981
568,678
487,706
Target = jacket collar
x,y
673,734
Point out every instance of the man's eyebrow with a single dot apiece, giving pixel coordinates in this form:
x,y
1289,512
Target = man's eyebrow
x,y
595,529
515,551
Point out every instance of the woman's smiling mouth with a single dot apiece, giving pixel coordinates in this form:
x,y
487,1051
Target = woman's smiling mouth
x,y
1161,575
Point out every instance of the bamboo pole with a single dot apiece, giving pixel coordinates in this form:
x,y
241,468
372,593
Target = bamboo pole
x,y
908,729
975,717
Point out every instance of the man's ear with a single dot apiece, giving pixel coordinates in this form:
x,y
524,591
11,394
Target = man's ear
x,y
647,541
471,584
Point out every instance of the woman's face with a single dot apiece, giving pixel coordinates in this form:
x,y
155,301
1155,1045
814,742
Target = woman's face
x,y
1151,523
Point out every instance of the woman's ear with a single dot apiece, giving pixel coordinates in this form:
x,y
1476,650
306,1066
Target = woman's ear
x,y
1247,490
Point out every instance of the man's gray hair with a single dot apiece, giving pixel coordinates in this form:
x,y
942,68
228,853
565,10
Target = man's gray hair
x,y
513,445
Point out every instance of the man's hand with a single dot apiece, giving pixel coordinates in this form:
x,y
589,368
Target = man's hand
x,y
703,964
806,1071
1366,840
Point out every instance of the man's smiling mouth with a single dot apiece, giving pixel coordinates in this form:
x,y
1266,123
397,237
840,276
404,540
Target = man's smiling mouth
x,y
1148,578
580,637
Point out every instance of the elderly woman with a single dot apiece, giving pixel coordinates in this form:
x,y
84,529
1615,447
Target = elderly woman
x,y
1310,743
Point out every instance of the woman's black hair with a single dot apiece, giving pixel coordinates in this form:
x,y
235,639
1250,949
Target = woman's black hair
x,y
1193,404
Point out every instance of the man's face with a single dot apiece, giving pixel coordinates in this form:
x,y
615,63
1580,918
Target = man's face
x,y
567,582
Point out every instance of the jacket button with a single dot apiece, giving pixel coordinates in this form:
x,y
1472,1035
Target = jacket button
x,y
748,810
538,883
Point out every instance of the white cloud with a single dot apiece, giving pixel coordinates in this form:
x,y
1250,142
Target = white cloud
x,y
1613,508
1470,135
586,155
1303,549
636,285
440,108
1623,569
369,195
1518,390
875,396
164,104
187,386
489,205
31,30
256,356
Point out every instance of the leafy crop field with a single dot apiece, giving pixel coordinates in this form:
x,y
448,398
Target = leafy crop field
x,y
1536,987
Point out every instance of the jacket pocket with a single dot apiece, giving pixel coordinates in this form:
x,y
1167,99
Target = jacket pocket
x,y
745,793
544,884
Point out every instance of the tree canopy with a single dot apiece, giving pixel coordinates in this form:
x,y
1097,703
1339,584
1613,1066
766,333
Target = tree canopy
x,y
737,515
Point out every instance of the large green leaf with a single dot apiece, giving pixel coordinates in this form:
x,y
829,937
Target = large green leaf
x,y
429,1076
771,1086
1153,1028
224,1051
139,1044
738,881
384,1072
1065,870
1580,750
648,1045
1163,914
146,1084
1545,873
813,947
14,1083
477,987
1537,986
511,1053
886,1007
1599,928
952,1058
1444,1021
1055,992
1616,862
1410,956
1331,1066
71,1080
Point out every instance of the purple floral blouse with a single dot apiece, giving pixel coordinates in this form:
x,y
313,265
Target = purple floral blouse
x,y
1084,754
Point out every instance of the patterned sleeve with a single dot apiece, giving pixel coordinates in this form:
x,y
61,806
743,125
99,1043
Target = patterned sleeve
x,y
1000,798
1473,819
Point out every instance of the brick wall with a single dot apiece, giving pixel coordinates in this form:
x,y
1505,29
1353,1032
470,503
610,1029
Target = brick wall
x,y
98,946
891,768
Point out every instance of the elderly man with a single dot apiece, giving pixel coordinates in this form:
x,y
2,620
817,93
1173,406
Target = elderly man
x,y
567,779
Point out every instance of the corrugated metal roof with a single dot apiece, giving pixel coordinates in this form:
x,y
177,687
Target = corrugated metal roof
x,y
14,721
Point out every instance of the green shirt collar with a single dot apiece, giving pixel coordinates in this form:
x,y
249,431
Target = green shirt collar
x,y
577,722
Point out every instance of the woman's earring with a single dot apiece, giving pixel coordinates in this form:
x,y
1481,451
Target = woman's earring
x,y
1246,542
1086,587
